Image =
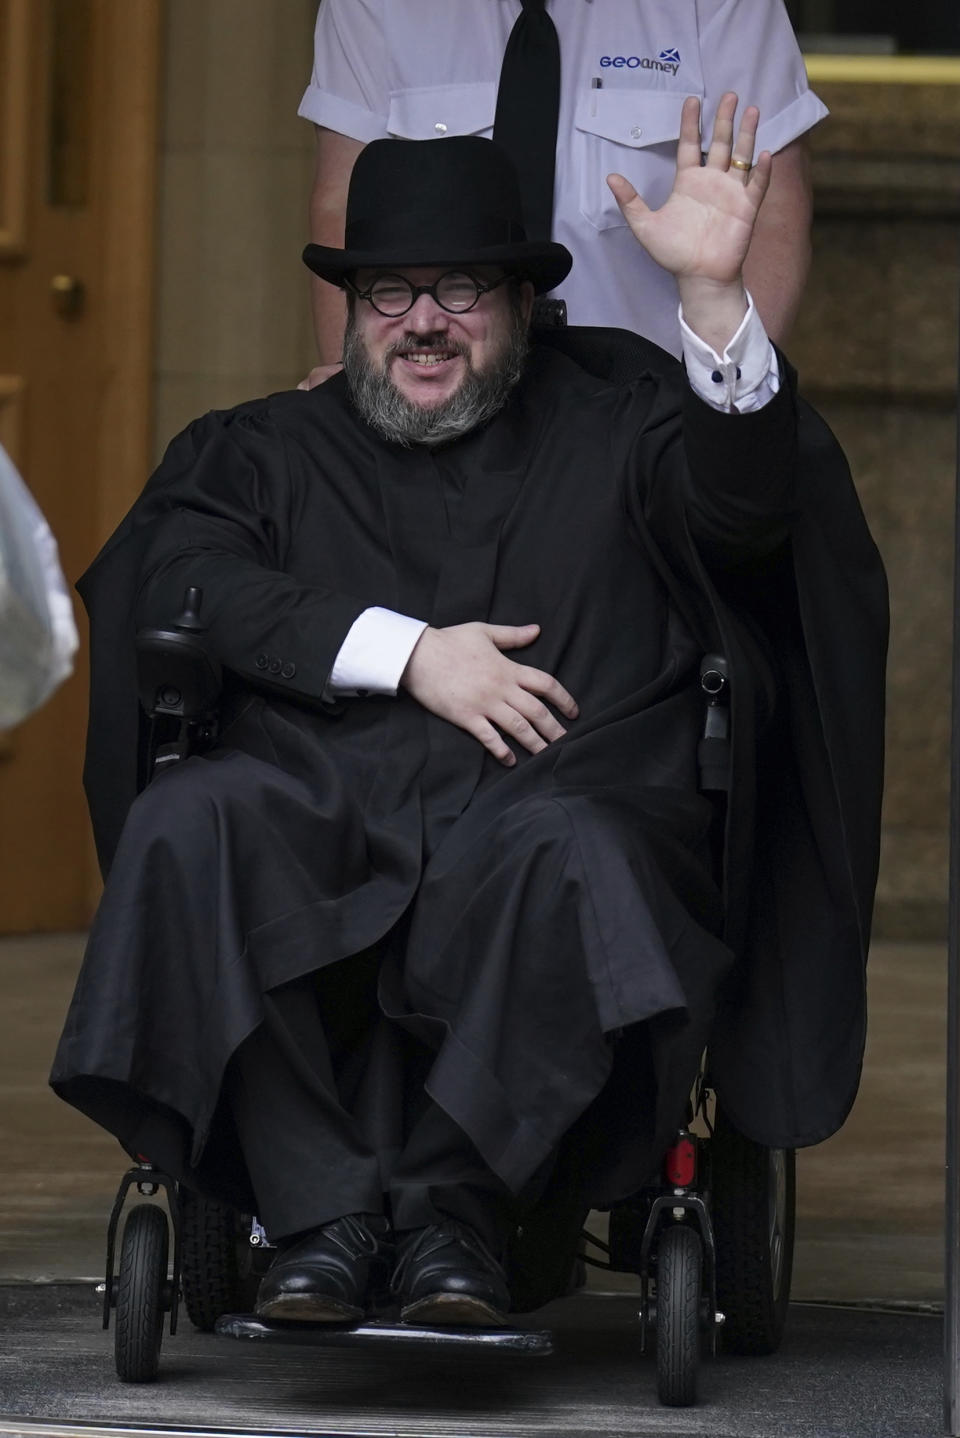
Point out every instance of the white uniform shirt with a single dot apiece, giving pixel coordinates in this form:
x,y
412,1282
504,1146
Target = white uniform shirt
x,y
420,69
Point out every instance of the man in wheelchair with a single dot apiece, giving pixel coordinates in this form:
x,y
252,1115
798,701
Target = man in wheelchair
x,y
437,918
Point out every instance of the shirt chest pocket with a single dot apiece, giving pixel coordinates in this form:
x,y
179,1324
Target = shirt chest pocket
x,y
633,132
430,113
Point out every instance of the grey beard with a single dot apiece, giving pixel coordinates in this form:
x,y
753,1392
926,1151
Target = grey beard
x,y
479,397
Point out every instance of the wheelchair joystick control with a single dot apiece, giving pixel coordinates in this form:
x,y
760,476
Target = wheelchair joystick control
x,y
713,677
189,617
713,751
179,684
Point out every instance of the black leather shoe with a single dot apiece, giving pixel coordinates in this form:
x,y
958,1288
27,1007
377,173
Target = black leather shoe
x,y
333,1275
446,1275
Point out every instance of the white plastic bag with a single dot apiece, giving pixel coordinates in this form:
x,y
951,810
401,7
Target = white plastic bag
x,y
38,637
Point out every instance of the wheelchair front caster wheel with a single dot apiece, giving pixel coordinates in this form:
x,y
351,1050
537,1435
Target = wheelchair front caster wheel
x,y
142,1294
679,1280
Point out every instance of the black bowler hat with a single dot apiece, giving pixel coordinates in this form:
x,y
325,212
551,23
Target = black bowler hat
x,y
454,201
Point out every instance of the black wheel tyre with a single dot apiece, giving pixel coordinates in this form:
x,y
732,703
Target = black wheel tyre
x,y
141,1294
679,1279
209,1269
754,1202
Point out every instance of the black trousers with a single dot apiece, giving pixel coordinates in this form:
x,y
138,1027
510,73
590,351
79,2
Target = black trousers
x,y
328,1103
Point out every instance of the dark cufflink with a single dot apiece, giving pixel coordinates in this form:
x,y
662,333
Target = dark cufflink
x,y
717,377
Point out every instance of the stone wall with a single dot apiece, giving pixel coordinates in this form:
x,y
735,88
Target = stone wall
x,y
876,347
235,166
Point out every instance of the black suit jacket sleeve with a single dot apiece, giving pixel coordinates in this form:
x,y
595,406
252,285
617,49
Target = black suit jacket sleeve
x,y
226,525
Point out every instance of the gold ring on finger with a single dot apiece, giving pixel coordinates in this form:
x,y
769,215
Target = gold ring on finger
x,y
736,164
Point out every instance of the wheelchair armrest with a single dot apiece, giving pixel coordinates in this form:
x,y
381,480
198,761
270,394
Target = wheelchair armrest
x,y
175,674
179,685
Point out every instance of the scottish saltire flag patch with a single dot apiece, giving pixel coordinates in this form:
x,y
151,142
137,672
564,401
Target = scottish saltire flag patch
x,y
670,57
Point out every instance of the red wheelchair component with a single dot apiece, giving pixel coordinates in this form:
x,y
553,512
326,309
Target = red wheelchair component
x,y
680,1161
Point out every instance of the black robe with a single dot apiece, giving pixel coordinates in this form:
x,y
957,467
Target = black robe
x,y
540,910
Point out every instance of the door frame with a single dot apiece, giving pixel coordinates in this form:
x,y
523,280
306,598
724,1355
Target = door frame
x,y
133,63
128,68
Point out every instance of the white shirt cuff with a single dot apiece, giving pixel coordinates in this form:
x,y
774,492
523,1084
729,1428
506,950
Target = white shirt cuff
x,y
374,654
778,131
347,118
744,378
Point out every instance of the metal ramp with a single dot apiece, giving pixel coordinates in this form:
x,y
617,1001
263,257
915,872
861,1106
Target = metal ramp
x,y
843,1372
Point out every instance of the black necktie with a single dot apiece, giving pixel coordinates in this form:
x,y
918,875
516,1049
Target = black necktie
x,y
528,104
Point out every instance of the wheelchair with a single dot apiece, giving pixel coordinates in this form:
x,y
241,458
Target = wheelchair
x,y
717,1230
711,1241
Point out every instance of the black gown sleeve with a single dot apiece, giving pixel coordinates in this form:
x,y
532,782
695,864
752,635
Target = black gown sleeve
x,y
225,525
726,482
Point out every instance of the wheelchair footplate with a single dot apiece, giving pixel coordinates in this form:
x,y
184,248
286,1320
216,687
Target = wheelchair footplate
x,y
374,1332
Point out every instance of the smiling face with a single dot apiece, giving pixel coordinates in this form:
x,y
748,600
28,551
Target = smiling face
x,y
428,352
429,375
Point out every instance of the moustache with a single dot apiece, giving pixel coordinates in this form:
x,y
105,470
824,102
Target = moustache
x,y
417,344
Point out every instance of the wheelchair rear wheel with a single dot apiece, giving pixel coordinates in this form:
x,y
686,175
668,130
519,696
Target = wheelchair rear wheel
x,y
142,1294
679,1284
754,1198
210,1276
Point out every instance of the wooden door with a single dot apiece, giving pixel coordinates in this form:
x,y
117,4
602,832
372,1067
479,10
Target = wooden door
x,y
77,115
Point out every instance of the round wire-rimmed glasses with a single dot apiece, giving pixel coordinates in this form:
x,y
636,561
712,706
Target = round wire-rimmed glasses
x,y
456,292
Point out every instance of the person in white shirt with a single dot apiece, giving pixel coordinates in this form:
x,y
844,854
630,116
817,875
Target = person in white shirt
x,y
415,70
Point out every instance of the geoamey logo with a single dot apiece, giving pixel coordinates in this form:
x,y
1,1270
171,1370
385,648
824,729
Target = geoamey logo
x,y
668,60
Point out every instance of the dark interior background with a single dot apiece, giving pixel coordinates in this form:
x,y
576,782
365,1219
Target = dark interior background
x,y
891,27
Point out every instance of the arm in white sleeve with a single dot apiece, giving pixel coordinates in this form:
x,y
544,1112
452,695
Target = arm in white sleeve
x,y
744,378
749,46
349,89
374,654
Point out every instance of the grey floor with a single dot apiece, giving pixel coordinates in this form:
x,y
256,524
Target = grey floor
x,y
863,1349
841,1373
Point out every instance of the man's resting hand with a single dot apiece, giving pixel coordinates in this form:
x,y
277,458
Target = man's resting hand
x,y
460,675
319,375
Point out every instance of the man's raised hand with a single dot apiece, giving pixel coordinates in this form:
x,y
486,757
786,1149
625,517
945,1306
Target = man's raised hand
x,y
704,227
460,675
702,232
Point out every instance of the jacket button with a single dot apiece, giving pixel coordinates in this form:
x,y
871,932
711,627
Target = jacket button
x,y
288,670
274,666
262,661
